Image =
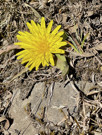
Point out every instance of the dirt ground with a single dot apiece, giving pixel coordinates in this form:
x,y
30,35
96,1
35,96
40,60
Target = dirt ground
x,y
42,102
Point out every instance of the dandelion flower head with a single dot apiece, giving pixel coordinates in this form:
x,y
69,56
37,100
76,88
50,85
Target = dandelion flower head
x,y
40,44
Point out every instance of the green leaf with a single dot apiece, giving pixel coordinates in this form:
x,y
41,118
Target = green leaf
x,y
62,64
64,36
85,37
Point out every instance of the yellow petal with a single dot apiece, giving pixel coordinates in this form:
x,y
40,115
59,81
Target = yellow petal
x,y
29,63
49,26
32,66
30,27
37,65
60,33
42,22
34,25
55,41
56,30
21,33
51,60
26,58
58,45
29,46
20,57
60,51
24,61
24,55
22,52
21,38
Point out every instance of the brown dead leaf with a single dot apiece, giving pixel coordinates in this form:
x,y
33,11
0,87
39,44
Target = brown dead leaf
x,y
2,119
7,123
73,28
98,47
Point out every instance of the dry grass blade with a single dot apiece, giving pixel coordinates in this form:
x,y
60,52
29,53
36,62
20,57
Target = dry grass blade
x,y
35,12
9,48
81,55
17,75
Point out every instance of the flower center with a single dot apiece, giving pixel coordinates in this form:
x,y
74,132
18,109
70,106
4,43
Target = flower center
x,y
44,47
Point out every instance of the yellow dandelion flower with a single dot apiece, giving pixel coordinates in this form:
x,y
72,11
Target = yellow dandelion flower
x,y
40,44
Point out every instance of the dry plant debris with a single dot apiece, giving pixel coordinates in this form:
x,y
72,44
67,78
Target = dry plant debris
x,y
41,102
